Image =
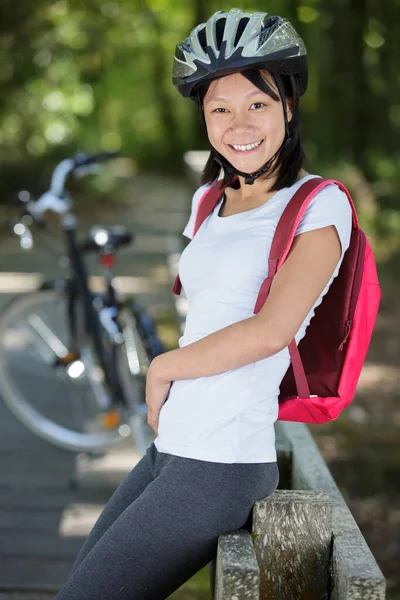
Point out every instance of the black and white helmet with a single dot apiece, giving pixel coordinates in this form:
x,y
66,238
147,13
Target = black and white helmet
x,y
233,41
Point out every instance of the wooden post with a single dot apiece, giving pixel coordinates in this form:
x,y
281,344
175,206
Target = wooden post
x,y
355,574
292,533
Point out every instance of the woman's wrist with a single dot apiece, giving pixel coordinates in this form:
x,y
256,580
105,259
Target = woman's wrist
x,y
159,367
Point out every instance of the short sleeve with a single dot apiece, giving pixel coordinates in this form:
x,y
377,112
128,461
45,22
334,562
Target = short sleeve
x,y
197,196
330,206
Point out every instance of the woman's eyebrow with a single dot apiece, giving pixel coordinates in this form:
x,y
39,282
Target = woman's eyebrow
x,y
222,99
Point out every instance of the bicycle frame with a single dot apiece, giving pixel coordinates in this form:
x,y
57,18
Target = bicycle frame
x,y
97,320
77,287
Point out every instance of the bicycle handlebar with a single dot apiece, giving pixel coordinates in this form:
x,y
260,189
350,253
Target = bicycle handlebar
x,y
82,159
55,199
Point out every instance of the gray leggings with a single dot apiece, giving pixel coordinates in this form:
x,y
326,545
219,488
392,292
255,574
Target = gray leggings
x,y
162,524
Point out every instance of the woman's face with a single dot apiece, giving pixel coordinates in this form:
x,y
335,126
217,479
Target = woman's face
x,y
237,113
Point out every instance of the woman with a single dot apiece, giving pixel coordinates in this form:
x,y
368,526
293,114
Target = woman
x,y
214,400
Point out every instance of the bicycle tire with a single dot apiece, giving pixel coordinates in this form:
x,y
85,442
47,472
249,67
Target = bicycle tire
x,y
15,366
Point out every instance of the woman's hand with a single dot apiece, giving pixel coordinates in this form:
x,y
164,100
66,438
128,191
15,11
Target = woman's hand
x,y
157,389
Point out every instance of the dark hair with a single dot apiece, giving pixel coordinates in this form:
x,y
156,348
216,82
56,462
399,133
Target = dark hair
x,y
291,159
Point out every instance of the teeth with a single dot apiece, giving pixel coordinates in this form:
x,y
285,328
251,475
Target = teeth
x,y
247,146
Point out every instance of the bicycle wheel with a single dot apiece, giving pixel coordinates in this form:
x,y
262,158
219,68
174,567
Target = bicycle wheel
x,y
64,405
132,364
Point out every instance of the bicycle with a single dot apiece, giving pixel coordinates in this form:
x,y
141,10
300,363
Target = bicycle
x,y
73,362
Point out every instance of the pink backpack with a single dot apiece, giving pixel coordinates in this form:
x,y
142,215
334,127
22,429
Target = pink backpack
x,y
325,367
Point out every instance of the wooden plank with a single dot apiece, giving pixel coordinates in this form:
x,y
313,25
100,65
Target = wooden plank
x,y
30,479
37,452
22,438
33,573
35,522
53,499
27,595
40,462
20,544
32,523
53,480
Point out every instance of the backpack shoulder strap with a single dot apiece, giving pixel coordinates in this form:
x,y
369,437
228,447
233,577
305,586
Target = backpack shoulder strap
x,y
280,248
208,202
206,205
287,227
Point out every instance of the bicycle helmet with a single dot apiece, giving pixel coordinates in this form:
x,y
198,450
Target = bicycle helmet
x,y
230,42
233,41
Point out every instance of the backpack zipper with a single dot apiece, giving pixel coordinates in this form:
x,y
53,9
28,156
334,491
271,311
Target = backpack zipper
x,y
356,289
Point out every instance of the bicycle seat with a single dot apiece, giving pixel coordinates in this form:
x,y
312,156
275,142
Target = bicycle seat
x,y
99,237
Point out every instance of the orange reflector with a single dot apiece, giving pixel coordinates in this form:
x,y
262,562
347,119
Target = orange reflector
x,y
110,420
68,358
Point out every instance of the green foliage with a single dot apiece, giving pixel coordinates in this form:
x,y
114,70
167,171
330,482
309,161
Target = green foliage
x,y
91,74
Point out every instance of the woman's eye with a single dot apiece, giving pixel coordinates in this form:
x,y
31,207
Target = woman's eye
x,y
257,104
219,110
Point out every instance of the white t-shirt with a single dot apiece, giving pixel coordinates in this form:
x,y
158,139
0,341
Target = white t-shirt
x,y
230,417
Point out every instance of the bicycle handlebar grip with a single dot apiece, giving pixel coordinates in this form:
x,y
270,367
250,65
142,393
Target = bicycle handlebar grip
x,y
81,159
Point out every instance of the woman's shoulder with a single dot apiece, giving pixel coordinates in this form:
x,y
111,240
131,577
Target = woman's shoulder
x,y
199,193
329,193
329,206
333,195
196,199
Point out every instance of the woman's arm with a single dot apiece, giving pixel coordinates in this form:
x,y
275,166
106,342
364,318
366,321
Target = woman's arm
x,y
294,290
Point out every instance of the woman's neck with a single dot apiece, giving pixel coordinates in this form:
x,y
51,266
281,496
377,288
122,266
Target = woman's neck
x,y
261,188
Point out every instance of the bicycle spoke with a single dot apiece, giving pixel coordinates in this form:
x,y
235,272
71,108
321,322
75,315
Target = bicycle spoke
x,y
47,335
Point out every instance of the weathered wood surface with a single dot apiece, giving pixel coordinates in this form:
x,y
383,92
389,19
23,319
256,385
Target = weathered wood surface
x,y
292,538
355,573
237,575
27,596
44,518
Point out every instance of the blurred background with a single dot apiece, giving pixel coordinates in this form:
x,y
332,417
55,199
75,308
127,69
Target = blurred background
x,y
85,75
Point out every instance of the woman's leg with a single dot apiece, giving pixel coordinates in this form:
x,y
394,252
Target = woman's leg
x,y
129,489
171,530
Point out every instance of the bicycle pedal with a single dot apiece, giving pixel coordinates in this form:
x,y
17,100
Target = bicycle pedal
x,y
110,419
69,358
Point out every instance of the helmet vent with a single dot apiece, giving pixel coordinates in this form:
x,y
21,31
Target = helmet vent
x,y
179,54
269,26
219,30
263,38
202,39
241,27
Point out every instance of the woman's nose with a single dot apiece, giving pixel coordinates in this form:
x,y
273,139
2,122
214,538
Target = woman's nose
x,y
240,121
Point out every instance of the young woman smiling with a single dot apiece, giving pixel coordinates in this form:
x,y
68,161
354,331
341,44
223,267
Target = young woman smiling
x,y
214,400
246,125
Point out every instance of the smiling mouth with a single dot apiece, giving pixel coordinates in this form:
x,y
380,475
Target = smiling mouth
x,y
246,148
